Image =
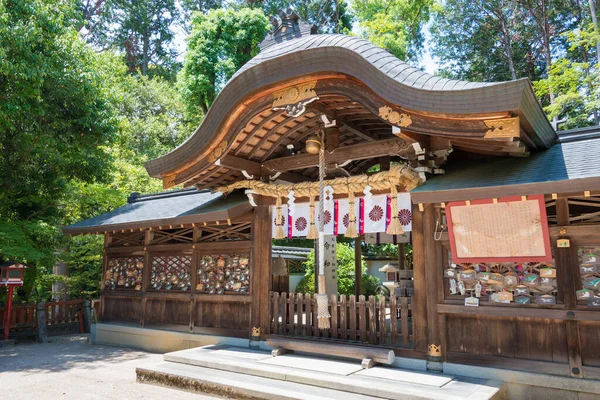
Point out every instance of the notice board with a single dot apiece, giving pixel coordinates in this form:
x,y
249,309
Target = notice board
x,y
501,230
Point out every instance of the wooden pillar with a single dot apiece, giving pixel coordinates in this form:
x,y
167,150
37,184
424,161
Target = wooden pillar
x,y
432,276
357,267
261,266
419,300
566,281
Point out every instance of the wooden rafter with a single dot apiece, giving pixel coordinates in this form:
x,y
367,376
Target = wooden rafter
x,y
288,134
257,128
389,147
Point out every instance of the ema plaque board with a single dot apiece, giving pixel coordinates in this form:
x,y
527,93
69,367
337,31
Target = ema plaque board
x,y
499,230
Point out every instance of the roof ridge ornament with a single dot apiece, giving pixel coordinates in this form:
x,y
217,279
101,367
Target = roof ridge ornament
x,y
287,25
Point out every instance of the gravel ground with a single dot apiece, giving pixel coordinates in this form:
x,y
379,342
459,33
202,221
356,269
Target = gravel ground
x,y
69,368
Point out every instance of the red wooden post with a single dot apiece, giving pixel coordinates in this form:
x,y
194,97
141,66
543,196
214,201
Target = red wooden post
x,y
8,309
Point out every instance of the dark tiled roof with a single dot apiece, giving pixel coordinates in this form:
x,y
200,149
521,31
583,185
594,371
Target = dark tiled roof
x,y
398,70
570,160
390,78
178,206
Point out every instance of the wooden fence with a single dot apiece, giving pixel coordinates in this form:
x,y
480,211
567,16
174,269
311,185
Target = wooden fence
x,y
60,317
377,322
64,314
22,318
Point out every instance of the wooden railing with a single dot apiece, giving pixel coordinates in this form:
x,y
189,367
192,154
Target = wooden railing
x,y
22,318
373,321
64,312
60,317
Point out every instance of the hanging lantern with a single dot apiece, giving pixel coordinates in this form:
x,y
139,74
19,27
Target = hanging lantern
x,y
280,267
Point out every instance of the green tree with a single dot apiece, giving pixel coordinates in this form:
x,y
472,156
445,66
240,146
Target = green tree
x,y
395,25
345,269
483,40
220,43
151,123
142,31
57,122
327,16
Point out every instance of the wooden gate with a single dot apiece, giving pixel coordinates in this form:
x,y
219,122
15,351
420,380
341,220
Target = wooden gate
x,y
369,320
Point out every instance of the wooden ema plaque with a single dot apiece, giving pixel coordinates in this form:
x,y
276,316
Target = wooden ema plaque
x,y
511,229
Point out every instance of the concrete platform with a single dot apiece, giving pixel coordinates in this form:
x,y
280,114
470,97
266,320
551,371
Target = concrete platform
x,y
244,373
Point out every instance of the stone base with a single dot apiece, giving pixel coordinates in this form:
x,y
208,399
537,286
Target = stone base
x,y
155,340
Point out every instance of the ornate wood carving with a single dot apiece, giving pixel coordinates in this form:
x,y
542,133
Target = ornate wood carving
x,y
503,128
217,152
394,117
295,98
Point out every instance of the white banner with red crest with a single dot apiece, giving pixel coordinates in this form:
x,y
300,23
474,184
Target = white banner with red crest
x,y
373,215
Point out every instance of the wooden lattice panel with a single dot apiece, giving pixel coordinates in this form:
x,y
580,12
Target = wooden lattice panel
x,y
124,273
589,271
219,274
171,273
512,282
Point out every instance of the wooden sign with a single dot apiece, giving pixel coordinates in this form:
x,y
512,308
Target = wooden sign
x,y
563,243
499,230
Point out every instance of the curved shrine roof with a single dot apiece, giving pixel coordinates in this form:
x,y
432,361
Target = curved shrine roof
x,y
391,79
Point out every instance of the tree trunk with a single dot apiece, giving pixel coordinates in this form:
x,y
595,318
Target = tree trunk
x,y
145,50
596,28
59,289
506,42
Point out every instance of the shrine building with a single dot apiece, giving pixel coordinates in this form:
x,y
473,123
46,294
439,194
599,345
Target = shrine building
x,y
323,136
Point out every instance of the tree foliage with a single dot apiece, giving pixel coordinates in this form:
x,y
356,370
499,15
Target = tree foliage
x,y
395,25
552,42
345,269
142,31
220,43
327,16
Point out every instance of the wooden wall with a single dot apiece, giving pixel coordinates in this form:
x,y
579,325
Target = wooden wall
x,y
559,339
186,311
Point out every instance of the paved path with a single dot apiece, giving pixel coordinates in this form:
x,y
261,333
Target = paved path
x,y
70,368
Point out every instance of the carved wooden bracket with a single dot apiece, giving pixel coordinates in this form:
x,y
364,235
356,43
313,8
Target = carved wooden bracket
x,y
394,117
503,128
295,98
217,152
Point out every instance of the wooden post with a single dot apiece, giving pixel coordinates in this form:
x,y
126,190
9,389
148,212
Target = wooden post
x,y
401,256
41,323
419,300
8,310
566,280
261,266
432,277
357,267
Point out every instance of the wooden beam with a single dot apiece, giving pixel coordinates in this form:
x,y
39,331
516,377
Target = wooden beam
x,y
240,164
341,122
380,148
